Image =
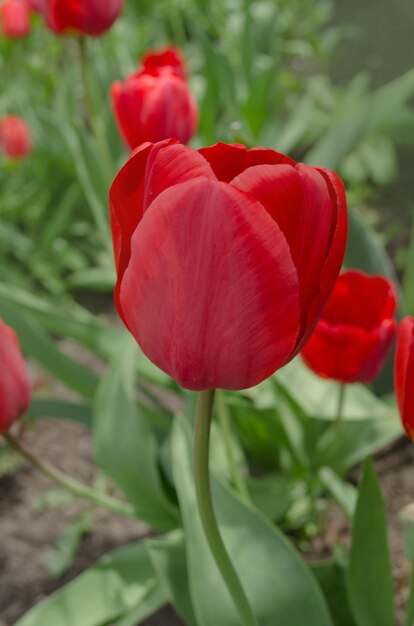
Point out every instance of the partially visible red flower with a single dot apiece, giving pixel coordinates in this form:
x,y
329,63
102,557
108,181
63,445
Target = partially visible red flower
x,y
353,336
404,374
35,5
15,137
14,383
85,17
155,103
224,257
15,18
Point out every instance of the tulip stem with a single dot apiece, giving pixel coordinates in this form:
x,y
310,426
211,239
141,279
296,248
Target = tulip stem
x,y
67,482
340,408
224,420
94,119
204,409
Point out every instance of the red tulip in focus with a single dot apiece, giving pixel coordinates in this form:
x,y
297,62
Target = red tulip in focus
x,y
15,137
14,384
15,18
354,334
155,103
84,17
404,374
224,256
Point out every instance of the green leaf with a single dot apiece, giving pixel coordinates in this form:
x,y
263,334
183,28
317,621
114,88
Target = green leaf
x,y
168,557
61,558
121,582
280,588
125,446
40,347
344,493
407,520
369,574
330,575
52,407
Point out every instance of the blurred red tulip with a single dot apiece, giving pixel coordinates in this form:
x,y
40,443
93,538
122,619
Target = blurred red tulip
x,y
404,374
15,18
156,102
15,137
14,384
224,256
354,334
85,17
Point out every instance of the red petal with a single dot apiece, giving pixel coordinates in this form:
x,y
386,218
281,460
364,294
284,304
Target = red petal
x,y
335,253
148,171
170,57
361,300
14,384
210,292
229,160
171,166
404,374
348,353
299,201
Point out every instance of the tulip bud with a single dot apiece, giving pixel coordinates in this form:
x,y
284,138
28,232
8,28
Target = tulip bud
x,y
354,334
85,17
225,257
15,18
155,103
404,374
15,137
14,384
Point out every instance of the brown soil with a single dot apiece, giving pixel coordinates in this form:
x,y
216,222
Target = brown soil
x,y
27,536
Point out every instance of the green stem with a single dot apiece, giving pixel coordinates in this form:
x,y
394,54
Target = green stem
x,y
93,117
205,506
224,420
340,408
67,482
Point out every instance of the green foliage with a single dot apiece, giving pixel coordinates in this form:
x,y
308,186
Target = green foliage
x,y
120,587
279,587
369,576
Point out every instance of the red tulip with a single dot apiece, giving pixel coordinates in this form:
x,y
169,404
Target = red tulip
x,y
354,334
14,384
155,103
15,137
85,17
224,258
404,374
15,18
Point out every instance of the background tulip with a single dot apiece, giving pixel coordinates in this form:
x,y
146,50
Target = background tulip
x,y
15,137
86,17
225,257
15,18
14,384
354,334
155,103
404,374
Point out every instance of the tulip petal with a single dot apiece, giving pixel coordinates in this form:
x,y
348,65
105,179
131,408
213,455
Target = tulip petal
x,y
14,385
299,201
211,292
229,160
361,300
171,166
404,374
348,353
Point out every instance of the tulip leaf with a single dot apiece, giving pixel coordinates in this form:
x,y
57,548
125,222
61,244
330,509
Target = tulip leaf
x,y
369,573
331,576
407,520
125,446
279,586
52,407
120,583
168,557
